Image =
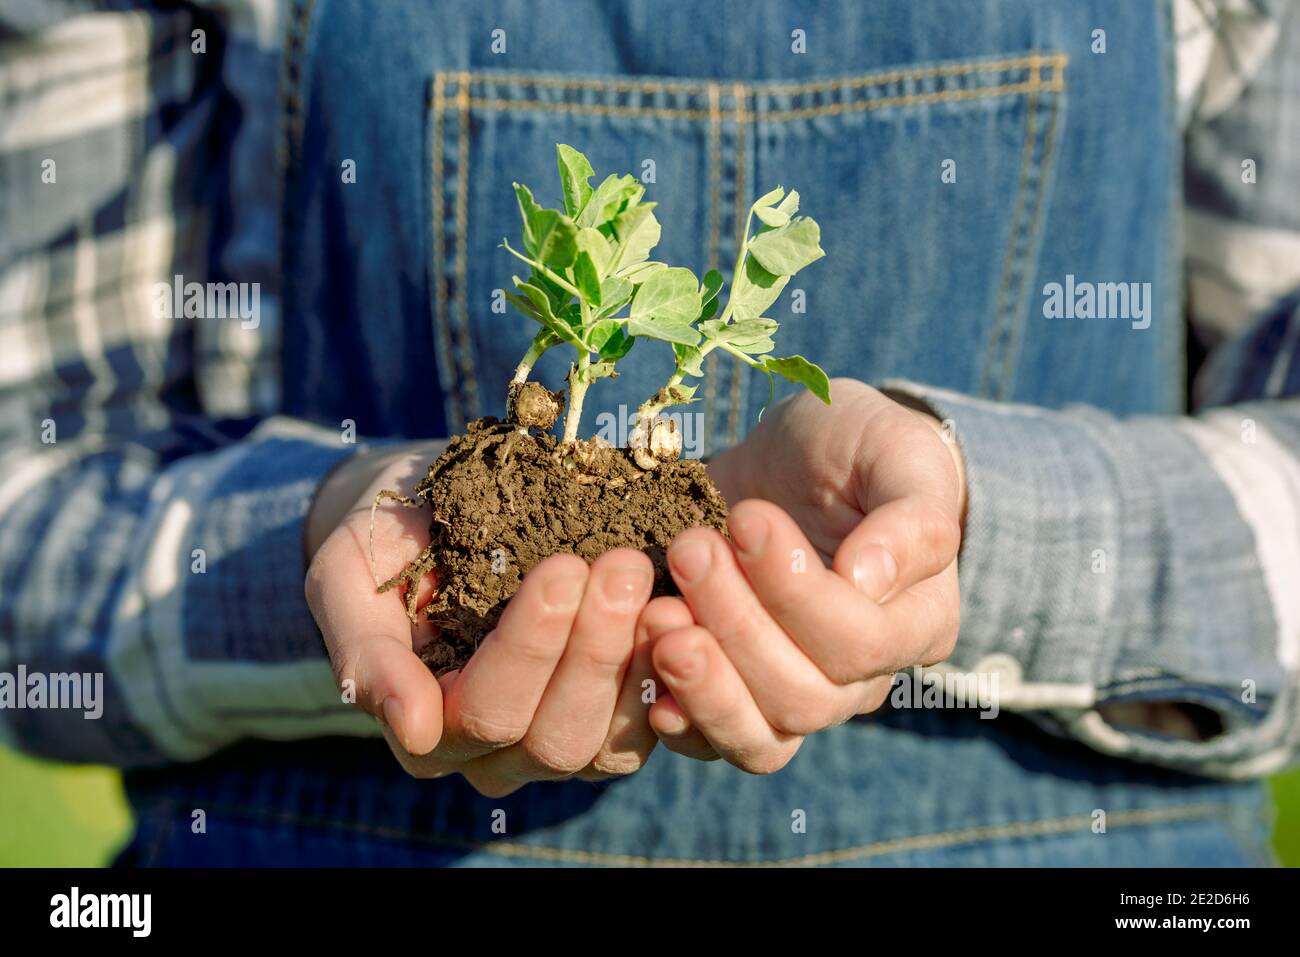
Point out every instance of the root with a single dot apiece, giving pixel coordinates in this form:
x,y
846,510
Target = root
x,y
411,576
415,570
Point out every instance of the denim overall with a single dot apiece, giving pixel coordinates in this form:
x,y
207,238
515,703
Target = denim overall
x,y
958,154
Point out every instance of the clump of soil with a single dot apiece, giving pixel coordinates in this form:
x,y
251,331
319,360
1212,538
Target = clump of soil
x,y
503,499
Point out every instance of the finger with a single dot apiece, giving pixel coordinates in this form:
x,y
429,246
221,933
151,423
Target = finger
x,y
492,702
368,637
630,738
710,690
791,690
910,497
675,730
574,714
848,636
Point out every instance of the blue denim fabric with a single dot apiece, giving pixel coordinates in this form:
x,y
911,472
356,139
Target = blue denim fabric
x,y
388,321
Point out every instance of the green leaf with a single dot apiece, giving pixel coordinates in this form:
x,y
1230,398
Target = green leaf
x,y
601,332
689,359
767,199
610,198
710,285
591,242
798,369
614,295
542,311
618,346
755,290
575,171
586,278
636,232
550,237
751,336
642,271
786,250
671,295
666,330
683,393
790,205
710,309
772,217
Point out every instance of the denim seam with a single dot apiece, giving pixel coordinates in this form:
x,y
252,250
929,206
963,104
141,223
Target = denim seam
x,y
715,229
464,339
441,329
1020,315
1045,827
862,81
741,96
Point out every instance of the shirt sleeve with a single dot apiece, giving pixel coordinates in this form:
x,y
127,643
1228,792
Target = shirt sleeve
x,y
151,502
1157,559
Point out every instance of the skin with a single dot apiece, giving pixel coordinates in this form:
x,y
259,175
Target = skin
x,y
553,692
751,659
842,570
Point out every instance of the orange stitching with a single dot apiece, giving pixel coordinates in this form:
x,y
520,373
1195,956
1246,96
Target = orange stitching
x,y
441,328
1004,283
715,229
465,346
1044,168
733,412
772,116
860,81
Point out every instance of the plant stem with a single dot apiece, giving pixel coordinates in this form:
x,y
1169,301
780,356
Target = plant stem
x,y
544,270
740,264
541,342
577,393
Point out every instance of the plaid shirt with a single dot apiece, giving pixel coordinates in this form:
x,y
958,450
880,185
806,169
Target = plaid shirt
x,y
129,433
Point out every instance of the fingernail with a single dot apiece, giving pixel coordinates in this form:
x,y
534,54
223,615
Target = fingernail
x,y
563,594
624,587
875,571
683,665
673,723
393,718
749,532
690,559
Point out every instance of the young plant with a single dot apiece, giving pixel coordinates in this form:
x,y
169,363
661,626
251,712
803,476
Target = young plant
x,y
593,285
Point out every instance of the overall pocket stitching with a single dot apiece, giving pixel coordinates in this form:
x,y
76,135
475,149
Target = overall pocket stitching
x,y
1044,827
1011,310
1021,316
464,340
453,408
715,231
781,87
741,96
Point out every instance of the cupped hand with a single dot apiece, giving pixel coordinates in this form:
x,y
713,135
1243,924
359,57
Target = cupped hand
x,y
554,691
842,570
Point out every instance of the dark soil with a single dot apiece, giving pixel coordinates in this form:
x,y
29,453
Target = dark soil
x,y
502,500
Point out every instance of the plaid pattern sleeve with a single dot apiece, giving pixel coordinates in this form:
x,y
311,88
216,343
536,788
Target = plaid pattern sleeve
x,y
151,535
1158,559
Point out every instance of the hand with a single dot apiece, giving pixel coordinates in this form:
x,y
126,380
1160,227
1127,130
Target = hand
x,y
784,646
553,691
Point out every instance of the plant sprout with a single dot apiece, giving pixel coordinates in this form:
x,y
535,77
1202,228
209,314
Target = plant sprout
x,y
593,285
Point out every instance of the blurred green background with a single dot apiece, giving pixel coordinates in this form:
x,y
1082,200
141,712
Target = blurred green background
x,y
54,815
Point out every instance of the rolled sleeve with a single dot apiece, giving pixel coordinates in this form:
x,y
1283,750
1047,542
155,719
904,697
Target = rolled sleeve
x,y
1108,560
